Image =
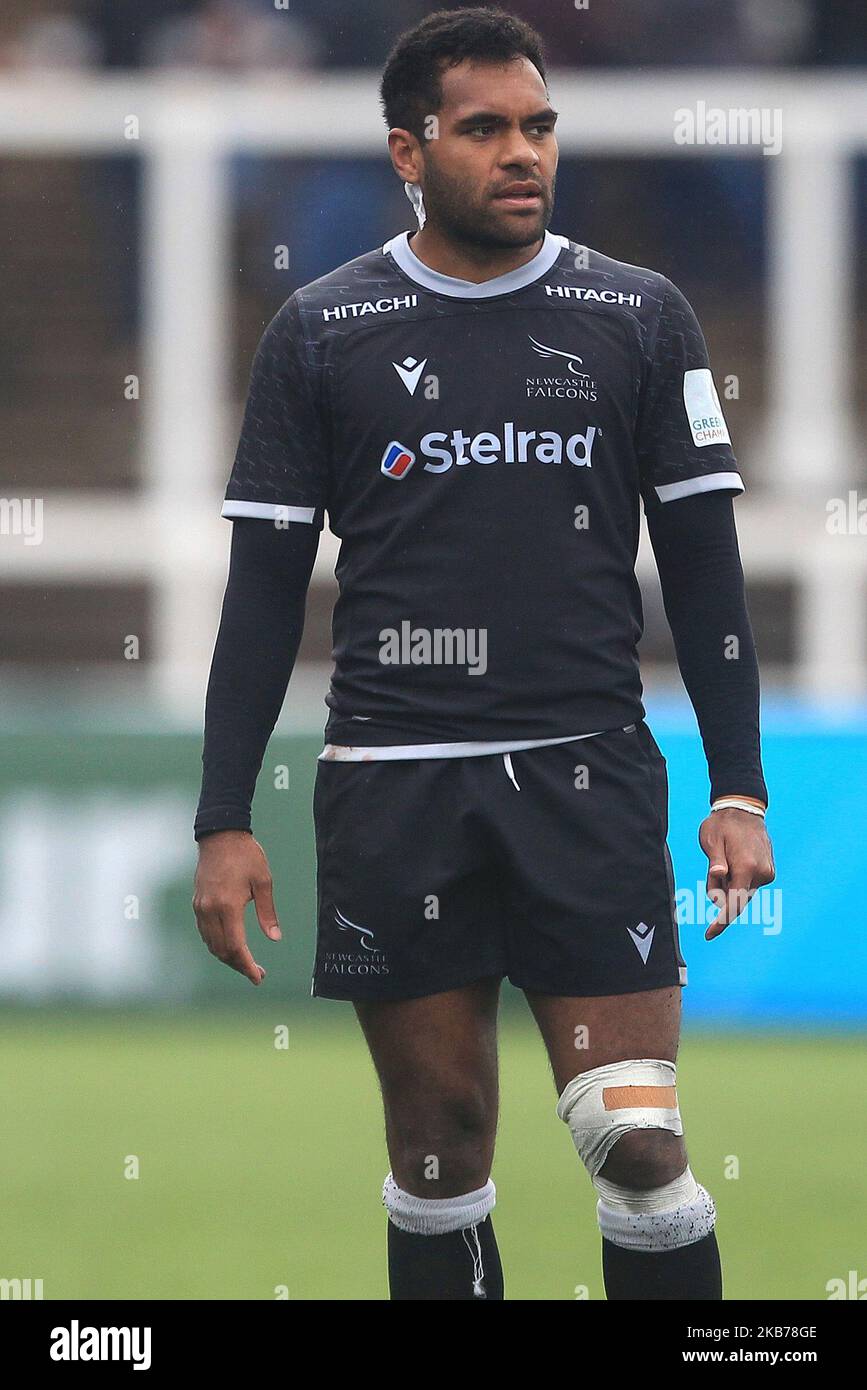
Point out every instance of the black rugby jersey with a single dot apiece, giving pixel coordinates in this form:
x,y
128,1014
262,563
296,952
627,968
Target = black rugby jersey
x,y
481,452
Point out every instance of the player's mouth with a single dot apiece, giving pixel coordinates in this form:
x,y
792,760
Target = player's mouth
x,y
520,197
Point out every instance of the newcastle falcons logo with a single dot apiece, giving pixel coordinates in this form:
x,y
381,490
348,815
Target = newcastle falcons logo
x,y
571,357
365,935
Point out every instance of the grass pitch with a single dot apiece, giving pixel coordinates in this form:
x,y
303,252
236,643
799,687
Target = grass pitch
x,y
259,1167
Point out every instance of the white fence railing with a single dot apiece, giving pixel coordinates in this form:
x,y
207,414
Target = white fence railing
x,y
184,127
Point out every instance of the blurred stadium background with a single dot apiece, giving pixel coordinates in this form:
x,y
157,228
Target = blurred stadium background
x,y
170,171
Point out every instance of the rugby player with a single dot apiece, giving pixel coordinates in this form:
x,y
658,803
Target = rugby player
x,y
482,407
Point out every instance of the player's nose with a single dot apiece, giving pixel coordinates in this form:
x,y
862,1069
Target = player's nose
x,y
518,152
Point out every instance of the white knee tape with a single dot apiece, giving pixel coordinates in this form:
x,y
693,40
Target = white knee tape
x,y
663,1218
437,1216
603,1104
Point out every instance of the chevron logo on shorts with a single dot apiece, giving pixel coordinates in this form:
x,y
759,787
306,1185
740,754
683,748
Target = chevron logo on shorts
x,y
642,936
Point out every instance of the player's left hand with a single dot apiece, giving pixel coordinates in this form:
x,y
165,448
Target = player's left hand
x,y
741,860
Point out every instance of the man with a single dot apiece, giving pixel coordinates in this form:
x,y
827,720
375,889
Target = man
x,y
480,408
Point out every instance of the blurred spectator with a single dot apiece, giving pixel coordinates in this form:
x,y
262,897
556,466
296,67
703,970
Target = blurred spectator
x,y
840,33
243,34
357,34
337,33
697,33
125,26
250,34
58,41
777,31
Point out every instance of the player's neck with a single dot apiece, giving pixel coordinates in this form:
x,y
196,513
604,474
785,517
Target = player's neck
x,y
462,262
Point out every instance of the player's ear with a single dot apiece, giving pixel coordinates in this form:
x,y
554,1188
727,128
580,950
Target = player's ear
x,y
405,154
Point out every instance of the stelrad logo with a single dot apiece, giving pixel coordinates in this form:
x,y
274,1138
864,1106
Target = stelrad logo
x,y
511,445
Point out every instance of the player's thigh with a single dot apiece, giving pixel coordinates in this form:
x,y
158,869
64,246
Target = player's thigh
x,y
436,1059
437,1043
583,1033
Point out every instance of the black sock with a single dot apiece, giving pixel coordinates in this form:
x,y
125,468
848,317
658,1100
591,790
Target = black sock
x,y
460,1265
691,1273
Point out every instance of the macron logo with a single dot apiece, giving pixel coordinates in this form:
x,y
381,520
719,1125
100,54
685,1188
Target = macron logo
x,y
642,936
409,371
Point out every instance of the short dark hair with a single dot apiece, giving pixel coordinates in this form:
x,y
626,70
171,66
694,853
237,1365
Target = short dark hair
x,y
412,81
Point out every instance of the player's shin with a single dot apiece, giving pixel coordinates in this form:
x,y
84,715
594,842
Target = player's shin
x,y
442,1249
659,1243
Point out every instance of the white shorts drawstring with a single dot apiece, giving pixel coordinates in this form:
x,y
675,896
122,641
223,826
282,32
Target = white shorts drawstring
x,y
510,771
507,757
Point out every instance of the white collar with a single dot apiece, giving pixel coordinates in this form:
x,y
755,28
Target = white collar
x,y
416,270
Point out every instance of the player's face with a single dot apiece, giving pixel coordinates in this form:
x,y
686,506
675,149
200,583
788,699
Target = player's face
x,y
489,175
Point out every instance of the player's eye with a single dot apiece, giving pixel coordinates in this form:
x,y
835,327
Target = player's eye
x,y
544,129
481,130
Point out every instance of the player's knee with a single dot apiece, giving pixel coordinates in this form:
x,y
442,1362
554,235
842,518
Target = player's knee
x,y
468,1115
645,1158
446,1137
624,1118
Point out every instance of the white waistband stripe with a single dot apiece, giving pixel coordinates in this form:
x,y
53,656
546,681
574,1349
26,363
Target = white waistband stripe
x,y
341,753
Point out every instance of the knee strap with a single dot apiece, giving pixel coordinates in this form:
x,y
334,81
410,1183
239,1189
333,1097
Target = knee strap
x,y
602,1105
661,1218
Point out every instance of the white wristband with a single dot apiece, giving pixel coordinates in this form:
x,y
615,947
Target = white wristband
x,y
726,802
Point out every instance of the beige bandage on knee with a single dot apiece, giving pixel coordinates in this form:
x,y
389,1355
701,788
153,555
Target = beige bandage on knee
x,y
603,1104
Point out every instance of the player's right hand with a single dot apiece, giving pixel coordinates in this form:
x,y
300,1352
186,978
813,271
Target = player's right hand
x,y
232,872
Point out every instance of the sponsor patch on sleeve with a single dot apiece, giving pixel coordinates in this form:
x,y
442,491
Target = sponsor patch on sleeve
x,y
703,409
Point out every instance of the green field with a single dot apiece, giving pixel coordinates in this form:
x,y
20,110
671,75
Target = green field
x,y
261,1167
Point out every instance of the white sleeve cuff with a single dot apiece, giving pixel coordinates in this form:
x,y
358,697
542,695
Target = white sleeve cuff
x,y
269,511
705,482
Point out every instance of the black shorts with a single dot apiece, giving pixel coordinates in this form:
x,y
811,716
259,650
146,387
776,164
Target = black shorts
x,y
550,869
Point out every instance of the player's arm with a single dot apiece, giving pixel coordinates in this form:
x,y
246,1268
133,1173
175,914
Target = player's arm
x,y
688,476
260,632
276,498
695,543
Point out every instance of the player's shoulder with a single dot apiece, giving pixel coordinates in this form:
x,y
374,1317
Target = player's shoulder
x,y
358,292
308,322
583,275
